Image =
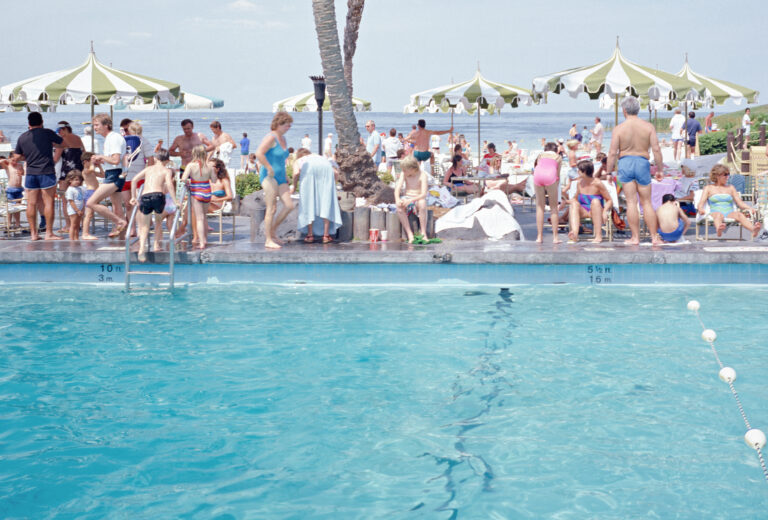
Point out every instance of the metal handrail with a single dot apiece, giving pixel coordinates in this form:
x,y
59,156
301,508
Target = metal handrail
x,y
128,243
172,240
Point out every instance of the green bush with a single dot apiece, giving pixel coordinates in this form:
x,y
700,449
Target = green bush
x,y
247,184
716,142
386,177
713,142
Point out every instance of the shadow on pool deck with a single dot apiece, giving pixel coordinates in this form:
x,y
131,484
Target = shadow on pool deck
x,y
105,250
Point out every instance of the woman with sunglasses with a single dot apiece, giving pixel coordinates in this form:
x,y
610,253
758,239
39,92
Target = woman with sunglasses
x,y
725,202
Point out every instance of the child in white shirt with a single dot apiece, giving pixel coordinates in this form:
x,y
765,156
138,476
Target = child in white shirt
x,y
75,196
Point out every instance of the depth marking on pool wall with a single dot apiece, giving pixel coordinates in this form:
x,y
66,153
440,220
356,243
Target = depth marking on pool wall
x,y
599,274
105,272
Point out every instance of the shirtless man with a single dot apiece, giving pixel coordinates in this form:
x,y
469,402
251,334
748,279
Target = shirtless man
x,y
219,139
630,142
158,180
420,138
415,198
182,145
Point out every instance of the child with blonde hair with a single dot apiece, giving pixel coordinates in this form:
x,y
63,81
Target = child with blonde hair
x,y
198,175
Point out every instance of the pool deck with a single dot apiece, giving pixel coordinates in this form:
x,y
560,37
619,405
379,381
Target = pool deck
x,y
21,250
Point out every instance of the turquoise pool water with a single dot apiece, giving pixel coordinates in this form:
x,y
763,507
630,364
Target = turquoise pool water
x,y
320,402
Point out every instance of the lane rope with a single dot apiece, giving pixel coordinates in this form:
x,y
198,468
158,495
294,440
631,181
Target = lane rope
x,y
754,438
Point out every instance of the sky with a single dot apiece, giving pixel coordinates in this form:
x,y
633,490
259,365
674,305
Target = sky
x,y
252,53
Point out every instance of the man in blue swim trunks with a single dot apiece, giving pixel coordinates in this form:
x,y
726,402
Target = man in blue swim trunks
x,y
36,147
420,138
630,142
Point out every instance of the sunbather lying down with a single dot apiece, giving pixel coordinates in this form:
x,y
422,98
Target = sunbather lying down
x,y
505,186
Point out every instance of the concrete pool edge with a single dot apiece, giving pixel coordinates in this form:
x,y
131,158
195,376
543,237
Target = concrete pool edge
x,y
383,274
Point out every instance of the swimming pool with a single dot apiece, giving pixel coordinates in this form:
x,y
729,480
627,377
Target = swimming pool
x,y
252,401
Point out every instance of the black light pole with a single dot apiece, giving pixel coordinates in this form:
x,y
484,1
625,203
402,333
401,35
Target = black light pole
x,y
319,82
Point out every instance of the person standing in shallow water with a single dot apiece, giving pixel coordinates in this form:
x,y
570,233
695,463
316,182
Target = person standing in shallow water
x,y
272,154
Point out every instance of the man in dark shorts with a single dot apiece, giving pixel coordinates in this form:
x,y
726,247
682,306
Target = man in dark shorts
x,y
692,129
36,147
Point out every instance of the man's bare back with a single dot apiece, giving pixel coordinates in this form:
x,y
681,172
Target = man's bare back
x,y
634,137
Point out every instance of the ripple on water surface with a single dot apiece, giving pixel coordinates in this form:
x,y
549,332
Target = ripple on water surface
x,y
302,402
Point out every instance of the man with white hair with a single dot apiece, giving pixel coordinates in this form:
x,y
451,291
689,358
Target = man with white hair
x,y
328,147
630,142
373,145
89,141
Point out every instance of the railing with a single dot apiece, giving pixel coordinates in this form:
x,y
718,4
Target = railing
x,y
171,241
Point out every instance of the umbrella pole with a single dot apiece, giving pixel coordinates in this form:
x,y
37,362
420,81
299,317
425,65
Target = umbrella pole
x,y
616,112
479,150
168,128
93,134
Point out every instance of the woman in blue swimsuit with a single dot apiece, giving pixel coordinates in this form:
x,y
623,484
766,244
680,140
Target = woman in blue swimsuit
x,y
272,153
723,202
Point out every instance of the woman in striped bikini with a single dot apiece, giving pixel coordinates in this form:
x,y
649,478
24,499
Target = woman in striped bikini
x,y
198,176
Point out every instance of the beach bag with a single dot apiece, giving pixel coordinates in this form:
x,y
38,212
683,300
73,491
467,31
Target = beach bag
x,y
617,222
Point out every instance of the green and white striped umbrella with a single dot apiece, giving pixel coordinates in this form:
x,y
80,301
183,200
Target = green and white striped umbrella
x,y
478,91
713,91
476,95
616,76
93,83
306,103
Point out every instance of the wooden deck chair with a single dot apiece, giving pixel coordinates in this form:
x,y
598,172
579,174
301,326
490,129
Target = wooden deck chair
x,y
706,219
761,196
7,209
224,212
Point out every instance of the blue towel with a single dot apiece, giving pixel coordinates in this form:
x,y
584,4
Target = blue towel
x,y
318,199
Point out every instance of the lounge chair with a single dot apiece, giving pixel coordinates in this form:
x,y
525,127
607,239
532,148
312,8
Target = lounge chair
x,y
7,209
706,219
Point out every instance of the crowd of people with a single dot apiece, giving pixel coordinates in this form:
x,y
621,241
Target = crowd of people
x,y
91,172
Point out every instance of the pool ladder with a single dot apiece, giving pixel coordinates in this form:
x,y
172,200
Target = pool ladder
x,y
171,241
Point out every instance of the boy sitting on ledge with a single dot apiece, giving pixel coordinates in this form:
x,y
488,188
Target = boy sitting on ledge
x,y
415,199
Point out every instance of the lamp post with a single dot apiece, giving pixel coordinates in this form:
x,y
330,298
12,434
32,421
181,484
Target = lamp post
x,y
319,82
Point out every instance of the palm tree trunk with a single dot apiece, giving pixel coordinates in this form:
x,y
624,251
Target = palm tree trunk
x,y
357,168
351,31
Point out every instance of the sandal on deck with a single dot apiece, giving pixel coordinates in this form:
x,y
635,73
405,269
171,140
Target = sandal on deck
x,y
309,239
327,239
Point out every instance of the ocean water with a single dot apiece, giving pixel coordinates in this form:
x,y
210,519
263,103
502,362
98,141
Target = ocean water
x,y
297,402
527,128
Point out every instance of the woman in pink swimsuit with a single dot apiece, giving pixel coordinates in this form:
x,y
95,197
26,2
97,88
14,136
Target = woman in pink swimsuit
x,y
546,181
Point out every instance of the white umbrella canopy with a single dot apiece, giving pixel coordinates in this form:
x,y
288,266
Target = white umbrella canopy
x,y
92,82
306,103
475,95
716,91
617,77
187,101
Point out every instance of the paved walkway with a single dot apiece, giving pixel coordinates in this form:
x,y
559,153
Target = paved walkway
x,y
105,250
